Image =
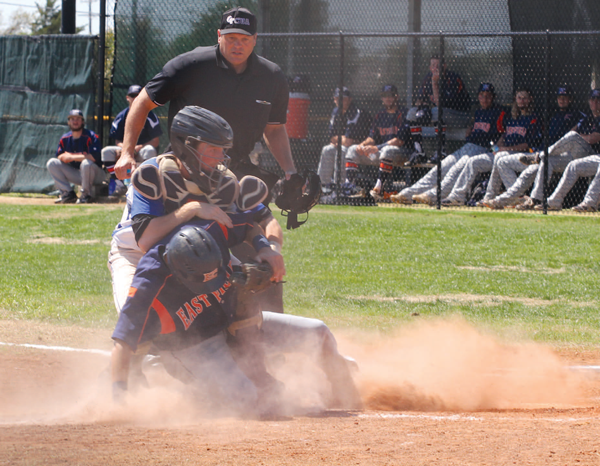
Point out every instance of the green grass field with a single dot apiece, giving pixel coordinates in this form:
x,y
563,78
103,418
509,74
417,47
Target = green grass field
x,y
527,276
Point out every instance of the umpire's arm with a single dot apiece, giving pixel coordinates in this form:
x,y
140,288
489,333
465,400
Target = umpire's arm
x,y
278,142
136,119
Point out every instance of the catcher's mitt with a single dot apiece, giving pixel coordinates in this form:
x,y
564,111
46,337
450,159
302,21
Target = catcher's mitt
x,y
298,195
252,278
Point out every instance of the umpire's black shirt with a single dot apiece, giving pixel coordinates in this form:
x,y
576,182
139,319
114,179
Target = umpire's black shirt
x,y
248,101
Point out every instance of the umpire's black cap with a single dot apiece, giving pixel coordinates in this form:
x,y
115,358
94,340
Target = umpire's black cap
x,y
238,21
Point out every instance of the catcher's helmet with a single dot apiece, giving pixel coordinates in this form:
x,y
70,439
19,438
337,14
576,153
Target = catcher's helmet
x,y
195,259
193,125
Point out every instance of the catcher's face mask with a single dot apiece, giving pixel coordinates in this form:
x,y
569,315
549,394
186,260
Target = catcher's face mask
x,y
211,161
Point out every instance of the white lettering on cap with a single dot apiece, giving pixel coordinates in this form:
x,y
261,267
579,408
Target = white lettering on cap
x,y
244,21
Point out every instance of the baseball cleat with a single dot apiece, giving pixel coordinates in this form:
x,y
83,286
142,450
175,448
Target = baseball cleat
x,y
401,199
85,199
376,195
493,204
451,202
423,199
584,208
67,198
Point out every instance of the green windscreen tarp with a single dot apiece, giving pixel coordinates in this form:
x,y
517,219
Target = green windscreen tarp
x,y
41,79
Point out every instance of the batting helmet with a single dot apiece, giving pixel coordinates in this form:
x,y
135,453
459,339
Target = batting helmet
x,y
191,126
195,259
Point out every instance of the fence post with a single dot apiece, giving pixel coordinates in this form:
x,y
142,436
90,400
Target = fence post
x,y
340,129
440,134
546,89
101,49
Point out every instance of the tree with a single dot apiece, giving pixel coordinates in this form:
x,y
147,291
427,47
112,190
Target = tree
x,y
20,24
47,19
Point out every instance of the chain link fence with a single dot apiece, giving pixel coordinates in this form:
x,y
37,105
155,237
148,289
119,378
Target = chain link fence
x,y
322,45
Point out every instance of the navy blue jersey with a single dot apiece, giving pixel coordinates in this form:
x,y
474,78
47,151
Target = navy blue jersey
x,y
150,131
562,122
86,143
525,128
161,309
589,125
454,95
386,125
488,126
355,123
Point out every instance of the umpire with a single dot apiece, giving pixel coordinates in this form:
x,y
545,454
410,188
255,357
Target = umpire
x,y
247,90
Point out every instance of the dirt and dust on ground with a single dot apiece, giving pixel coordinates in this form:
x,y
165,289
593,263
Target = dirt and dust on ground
x,y
436,392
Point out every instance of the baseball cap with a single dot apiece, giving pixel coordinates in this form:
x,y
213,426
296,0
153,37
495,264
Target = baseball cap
x,y
134,90
345,92
487,87
389,89
75,112
595,94
564,90
238,21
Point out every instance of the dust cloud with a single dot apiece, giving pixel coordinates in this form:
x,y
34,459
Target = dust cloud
x,y
445,365
448,365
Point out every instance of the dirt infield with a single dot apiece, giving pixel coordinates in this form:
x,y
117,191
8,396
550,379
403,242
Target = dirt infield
x,y
436,394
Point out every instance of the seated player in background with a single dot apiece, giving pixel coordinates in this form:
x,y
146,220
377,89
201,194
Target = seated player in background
x,y
147,144
521,131
77,162
517,176
456,99
389,144
353,123
486,128
581,142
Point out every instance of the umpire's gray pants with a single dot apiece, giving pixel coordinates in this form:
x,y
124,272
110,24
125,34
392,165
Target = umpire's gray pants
x,y
327,170
580,168
481,163
452,166
570,147
87,175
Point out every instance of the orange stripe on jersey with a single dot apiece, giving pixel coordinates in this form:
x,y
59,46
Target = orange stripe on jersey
x,y
131,292
164,324
167,324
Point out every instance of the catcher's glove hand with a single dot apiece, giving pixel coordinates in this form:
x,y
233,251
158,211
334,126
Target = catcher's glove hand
x,y
253,277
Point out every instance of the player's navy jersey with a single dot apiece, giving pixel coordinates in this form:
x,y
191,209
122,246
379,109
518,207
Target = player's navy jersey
x,y
525,128
87,142
355,125
386,125
455,94
161,309
150,131
488,126
563,121
590,124
247,101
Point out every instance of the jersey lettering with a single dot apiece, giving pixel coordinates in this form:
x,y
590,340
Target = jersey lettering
x,y
520,130
481,126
